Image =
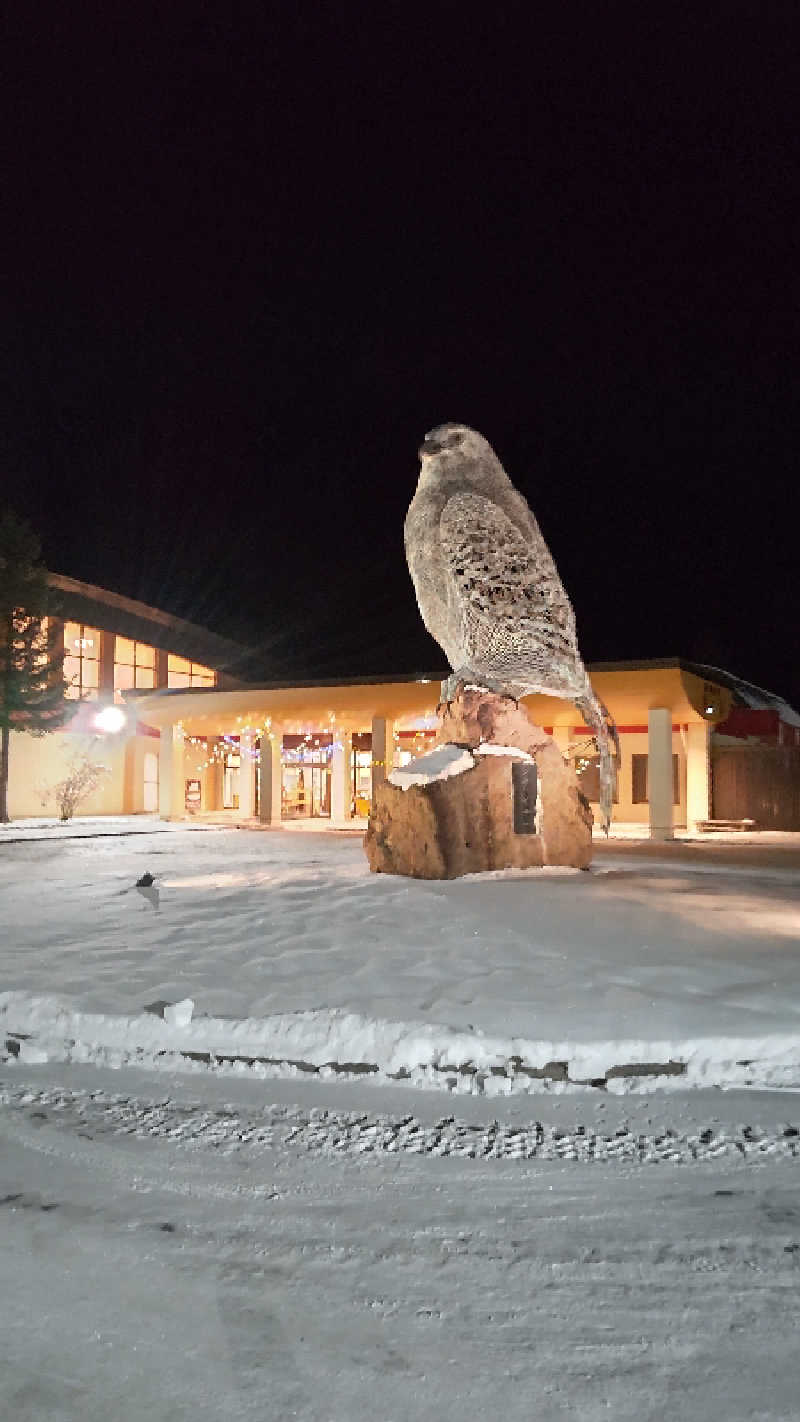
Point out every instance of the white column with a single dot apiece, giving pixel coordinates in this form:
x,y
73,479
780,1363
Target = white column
x,y
247,775
171,789
698,773
341,777
212,777
659,772
382,750
269,805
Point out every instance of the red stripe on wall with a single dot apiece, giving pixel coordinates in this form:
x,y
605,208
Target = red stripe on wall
x,y
622,730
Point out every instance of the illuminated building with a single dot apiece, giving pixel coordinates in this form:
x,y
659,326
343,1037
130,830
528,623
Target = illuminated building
x,y
197,740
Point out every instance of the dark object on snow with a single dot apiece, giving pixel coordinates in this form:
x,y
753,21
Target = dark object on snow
x,y
145,882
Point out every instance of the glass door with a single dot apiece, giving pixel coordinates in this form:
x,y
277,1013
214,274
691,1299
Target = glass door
x,y
306,777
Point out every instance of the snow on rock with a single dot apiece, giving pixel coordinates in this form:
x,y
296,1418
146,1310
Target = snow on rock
x,y
489,748
438,764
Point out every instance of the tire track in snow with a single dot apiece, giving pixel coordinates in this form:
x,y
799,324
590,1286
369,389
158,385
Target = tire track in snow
x,y
360,1133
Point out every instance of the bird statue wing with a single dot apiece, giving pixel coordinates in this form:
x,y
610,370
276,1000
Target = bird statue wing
x,y
517,623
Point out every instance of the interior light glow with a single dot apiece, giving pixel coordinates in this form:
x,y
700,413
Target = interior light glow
x,y
110,719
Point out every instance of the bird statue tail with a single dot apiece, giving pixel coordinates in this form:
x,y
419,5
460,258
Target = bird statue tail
x,y
596,715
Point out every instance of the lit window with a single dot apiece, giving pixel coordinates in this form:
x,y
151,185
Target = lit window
x,y
181,672
42,644
82,660
134,666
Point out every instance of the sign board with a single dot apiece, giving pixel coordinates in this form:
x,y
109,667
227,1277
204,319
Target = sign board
x,y
524,788
194,795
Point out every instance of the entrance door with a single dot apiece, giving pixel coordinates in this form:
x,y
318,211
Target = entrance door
x,y
306,776
306,791
230,781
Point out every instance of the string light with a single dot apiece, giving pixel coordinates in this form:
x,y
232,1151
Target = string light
x,y
315,747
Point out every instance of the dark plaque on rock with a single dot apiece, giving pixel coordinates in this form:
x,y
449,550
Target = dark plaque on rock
x,y
524,785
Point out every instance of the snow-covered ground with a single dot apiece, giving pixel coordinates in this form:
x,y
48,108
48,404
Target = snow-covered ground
x,y
86,827
270,1242
158,1266
291,956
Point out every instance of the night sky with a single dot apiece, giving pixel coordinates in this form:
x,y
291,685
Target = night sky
x,y
252,253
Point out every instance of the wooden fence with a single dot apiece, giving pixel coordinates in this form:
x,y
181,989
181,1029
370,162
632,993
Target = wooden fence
x,y
760,783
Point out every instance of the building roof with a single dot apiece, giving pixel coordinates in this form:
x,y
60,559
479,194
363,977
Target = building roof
x,y
745,693
111,612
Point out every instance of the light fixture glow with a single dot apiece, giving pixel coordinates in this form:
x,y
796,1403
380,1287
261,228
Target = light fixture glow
x,y
709,710
110,719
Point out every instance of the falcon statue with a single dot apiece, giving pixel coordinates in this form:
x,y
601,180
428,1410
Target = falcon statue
x,y
488,589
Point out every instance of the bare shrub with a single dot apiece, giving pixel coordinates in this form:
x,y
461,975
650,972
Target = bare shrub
x,y
82,778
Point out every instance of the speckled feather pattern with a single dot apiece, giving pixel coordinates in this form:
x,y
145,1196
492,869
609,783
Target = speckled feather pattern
x,y
487,586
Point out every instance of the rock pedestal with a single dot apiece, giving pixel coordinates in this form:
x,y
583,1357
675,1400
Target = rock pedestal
x,y
496,793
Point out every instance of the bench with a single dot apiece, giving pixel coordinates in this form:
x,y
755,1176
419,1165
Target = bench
x,y
704,825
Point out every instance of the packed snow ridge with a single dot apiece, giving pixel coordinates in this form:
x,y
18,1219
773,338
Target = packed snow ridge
x,y
334,1041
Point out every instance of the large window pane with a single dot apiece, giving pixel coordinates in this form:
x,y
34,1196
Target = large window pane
x,y
145,677
72,674
72,637
123,678
145,656
90,644
82,662
124,652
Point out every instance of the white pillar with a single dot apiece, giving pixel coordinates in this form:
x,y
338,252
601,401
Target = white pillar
x,y
269,805
382,750
212,778
659,772
698,773
171,789
341,777
247,775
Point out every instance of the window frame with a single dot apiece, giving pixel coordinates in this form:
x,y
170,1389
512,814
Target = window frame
x,y
81,690
640,768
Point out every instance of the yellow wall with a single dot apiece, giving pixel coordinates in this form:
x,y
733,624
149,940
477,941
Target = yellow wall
x,y
40,762
629,694
625,812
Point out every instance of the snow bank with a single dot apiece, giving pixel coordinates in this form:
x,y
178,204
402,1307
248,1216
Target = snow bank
x,y
49,1029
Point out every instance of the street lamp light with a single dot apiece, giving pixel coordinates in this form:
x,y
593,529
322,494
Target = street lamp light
x,y
111,719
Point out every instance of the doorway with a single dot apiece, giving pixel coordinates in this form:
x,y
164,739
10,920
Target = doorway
x,y
306,777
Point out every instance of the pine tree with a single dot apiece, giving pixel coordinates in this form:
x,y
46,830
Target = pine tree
x,y
32,686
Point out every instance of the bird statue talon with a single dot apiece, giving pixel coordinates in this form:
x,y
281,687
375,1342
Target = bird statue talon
x,y
450,687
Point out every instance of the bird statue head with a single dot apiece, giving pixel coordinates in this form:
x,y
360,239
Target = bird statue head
x,y
454,451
